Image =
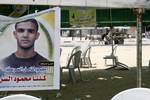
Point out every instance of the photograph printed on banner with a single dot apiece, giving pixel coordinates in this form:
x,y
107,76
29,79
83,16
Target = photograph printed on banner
x,y
29,51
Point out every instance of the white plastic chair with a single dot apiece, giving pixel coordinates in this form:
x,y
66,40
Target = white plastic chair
x,y
20,97
72,64
112,57
133,94
85,57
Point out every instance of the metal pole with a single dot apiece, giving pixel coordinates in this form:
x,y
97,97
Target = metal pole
x,y
112,39
139,12
112,44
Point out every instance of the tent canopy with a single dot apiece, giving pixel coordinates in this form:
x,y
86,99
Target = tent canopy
x,y
85,3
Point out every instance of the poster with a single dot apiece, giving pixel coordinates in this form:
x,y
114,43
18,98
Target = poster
x,y
29,54
82,17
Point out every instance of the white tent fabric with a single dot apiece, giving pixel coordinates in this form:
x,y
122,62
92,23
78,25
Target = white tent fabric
x,y
85,3
20,97
108,3
133,94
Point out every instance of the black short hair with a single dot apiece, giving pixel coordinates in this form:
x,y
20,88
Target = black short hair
x,y
34,21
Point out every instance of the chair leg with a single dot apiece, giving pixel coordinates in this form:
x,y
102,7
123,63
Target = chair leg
x,y
90,63
72,75
114,62
80,73
149,65
84,61
105,62
81,63
61,73
122,65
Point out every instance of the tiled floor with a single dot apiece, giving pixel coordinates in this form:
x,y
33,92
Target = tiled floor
x,y
126,53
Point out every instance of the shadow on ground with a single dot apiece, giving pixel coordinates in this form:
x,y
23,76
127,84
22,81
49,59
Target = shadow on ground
x,y
96,85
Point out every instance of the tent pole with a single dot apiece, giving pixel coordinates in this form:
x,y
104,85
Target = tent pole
x,y
139,12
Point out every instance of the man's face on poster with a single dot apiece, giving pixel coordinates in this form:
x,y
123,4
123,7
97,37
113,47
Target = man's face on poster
x,y
26,34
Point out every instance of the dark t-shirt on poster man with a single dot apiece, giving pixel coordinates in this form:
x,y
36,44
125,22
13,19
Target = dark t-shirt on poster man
x,y
15,62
